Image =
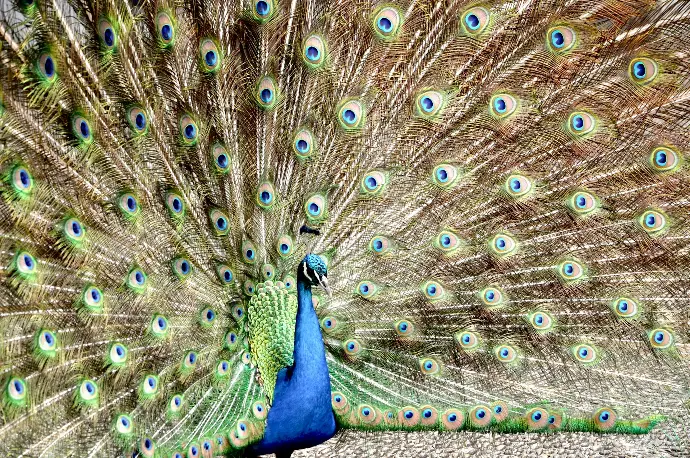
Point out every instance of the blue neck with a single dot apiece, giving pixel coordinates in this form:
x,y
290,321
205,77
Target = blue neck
x,y
301,415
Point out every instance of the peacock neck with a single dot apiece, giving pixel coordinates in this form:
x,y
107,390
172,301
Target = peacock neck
x,y
309,353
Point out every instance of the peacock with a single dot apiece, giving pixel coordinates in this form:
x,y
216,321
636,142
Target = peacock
x,y
235,228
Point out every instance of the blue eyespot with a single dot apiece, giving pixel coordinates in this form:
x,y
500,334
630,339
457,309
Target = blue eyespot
x,y
639,70
262,8
604,416
442,175
211,58
431,289
472,21
409,414
427,413
578,122
515,185
427,104
402,326
498,409
536,416
166,32
266,95
313,53
351,346
49,67
109,37
452,417
583,352
480,413
250,254
349,116
313,208
557,38
190,131
385,24
500,105
364,288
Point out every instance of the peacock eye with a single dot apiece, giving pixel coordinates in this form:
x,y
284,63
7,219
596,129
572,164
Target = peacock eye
x,y
188,129
537,418
429,366
314,51
560,39
352,347
268,271
222,368
660,338
46,67
81,128
475,20
652,221
92,297
585,353
404,328
315,208
387,21
136,280
452,419
664,159
74,230
136,117
22,181
502,106
117,354
207,316
124,424
433,290
643,70
428,104
492,296
181,267
249,289
502,244
367,289
285,246
303,144
129,205
373,183
25,263
351,114
447,241
518,185
248,252
166,29
209,56
506,353
581,123
221,160
541,321
107,34
259,410
624,307
266,92
445,175
583,202
219,221
159,326
467,340
263,10
266,195
604,419
571,270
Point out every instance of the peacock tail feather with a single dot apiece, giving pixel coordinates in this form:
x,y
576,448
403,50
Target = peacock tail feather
x,y
497,189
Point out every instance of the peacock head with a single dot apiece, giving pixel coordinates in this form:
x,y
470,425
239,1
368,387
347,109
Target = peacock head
x,y
313,270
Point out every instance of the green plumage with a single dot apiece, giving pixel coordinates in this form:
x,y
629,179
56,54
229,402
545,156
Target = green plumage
x,y
501,193
271,329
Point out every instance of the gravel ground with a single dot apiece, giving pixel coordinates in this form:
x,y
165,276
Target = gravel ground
x,y
669,439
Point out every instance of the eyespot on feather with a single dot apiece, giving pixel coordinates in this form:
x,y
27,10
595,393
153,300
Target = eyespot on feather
x,y
560,39
314,52
474,21
351,115
387,21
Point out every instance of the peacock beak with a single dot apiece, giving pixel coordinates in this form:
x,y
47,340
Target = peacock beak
x,y
323,281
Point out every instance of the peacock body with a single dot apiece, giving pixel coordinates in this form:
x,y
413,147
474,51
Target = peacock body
x,y
235,227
